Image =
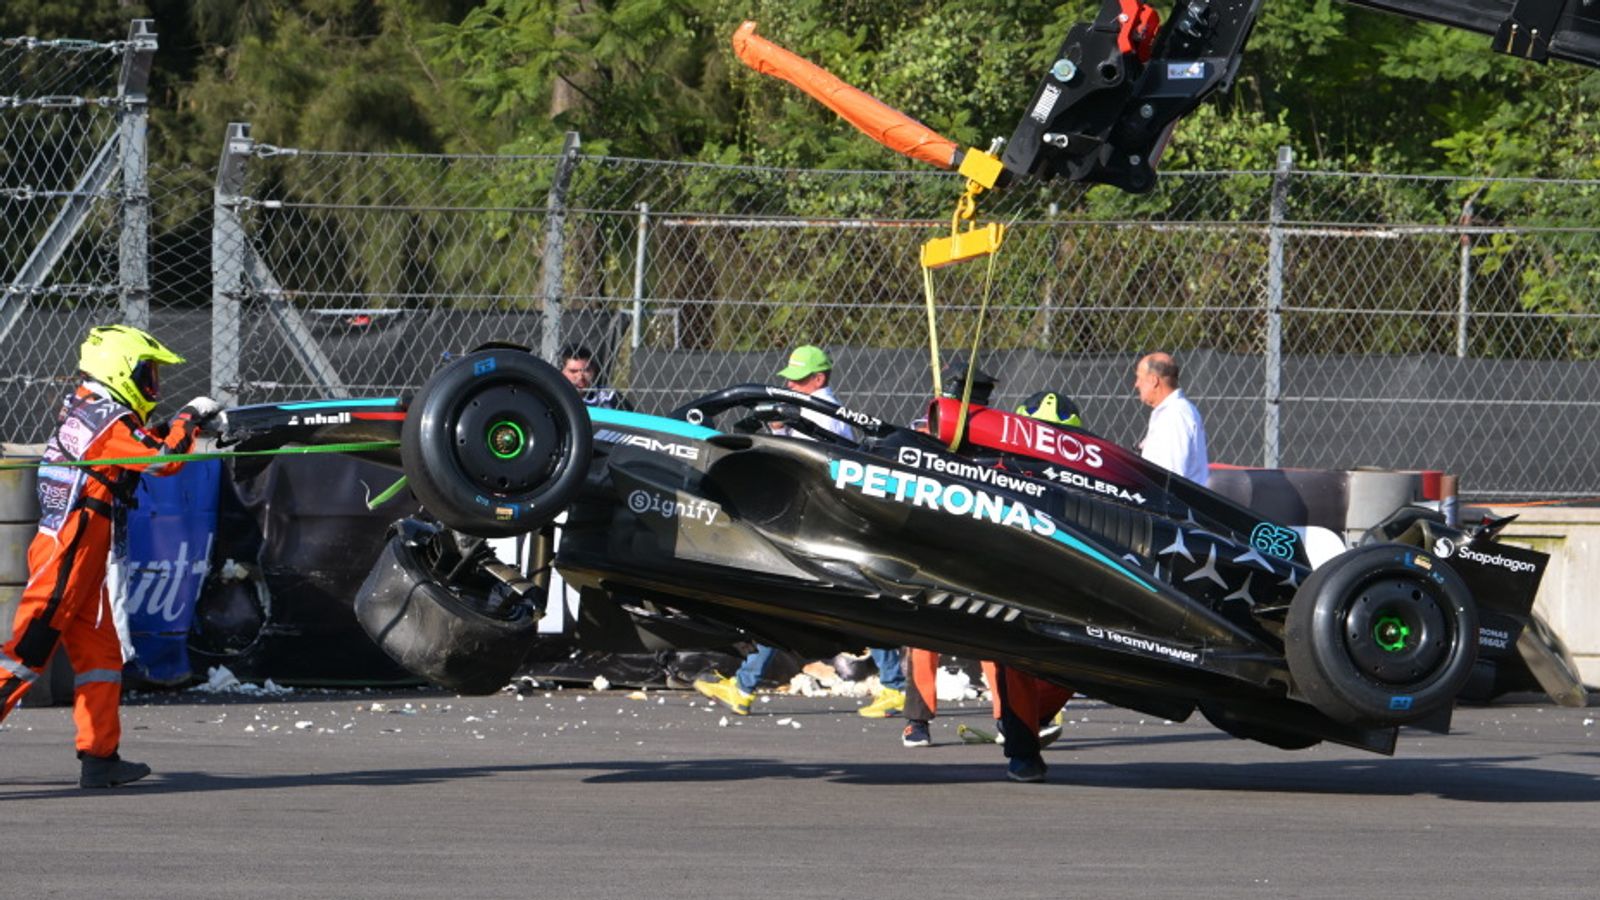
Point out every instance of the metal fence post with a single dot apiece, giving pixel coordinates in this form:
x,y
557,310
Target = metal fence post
x,y
238,271
641,246
16,298
1464,309
228,264
1272,389
133,242
554,249
1048,303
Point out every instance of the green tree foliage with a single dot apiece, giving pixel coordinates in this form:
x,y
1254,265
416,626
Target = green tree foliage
x,y
1348,89
333,74
636,77
103,20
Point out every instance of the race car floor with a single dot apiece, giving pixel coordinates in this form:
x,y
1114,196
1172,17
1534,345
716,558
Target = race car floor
x,y
579,794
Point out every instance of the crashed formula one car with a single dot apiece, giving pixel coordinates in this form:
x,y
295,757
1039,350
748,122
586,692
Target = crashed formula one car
x,y
1042,547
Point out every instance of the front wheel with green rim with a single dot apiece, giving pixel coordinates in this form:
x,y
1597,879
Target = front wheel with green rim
x,y
496,443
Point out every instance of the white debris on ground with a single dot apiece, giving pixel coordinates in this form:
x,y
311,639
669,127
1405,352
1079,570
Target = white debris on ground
x,y
221,680
437,715
954,684
807,685
819,679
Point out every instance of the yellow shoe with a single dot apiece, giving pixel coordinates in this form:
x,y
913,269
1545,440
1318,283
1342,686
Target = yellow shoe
x,y
727,692
890,702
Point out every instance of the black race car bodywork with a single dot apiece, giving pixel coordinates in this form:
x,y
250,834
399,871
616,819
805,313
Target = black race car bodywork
x,y
1046,548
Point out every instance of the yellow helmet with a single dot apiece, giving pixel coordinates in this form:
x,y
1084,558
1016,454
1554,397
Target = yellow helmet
x,y
124,359
1053,407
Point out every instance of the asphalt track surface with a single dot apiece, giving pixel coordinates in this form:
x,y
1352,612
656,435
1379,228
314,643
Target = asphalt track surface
x,y
579,794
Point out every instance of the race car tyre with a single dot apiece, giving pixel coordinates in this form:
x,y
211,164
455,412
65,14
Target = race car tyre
x,y
496,443
458,637
1382,635
1248,730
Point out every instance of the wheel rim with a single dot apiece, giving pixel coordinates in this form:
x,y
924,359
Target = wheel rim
x,y
1391,633
1396,631
505,439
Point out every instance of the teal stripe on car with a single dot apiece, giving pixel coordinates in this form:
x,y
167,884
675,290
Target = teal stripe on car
x,y
1115,565
624,419
342,404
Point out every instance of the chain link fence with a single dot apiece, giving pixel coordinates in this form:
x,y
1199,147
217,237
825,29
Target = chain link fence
x,y
88,234
1323,320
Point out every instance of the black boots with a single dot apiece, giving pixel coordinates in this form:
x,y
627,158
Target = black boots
x,y
109,771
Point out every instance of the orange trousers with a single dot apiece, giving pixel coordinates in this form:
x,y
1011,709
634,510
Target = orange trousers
x,y
66,603
1015,695
1023,703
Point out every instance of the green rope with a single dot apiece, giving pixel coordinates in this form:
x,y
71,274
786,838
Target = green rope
x,y
161,460
388,493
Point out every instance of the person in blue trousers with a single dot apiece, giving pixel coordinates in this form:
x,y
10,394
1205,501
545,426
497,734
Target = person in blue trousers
x,y
809,371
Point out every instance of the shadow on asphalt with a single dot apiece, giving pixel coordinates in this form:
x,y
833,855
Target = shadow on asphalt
x,y
1484,780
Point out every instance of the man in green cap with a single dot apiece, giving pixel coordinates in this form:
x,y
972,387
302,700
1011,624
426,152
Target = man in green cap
x,y
809,370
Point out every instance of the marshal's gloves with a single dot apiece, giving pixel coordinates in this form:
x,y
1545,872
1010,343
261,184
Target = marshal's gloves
x,y
206,413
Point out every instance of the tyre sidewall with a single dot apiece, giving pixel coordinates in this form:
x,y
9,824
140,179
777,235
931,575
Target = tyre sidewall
x,y
1319,659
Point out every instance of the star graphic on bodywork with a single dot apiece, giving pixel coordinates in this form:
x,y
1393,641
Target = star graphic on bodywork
x,y
1209,570
1250,555
1178,546
1293,580
1243,593
1198,530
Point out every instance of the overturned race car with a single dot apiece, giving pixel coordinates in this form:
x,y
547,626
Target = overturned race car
x,y
1043,547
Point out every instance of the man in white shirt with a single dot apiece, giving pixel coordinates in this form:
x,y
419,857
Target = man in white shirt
x,y
1176,438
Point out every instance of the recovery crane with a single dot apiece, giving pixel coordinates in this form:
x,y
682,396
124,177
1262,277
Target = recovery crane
x,y
1106,107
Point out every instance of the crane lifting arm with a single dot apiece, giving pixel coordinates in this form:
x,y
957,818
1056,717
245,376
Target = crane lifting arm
x,y
1105,109
1118,86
